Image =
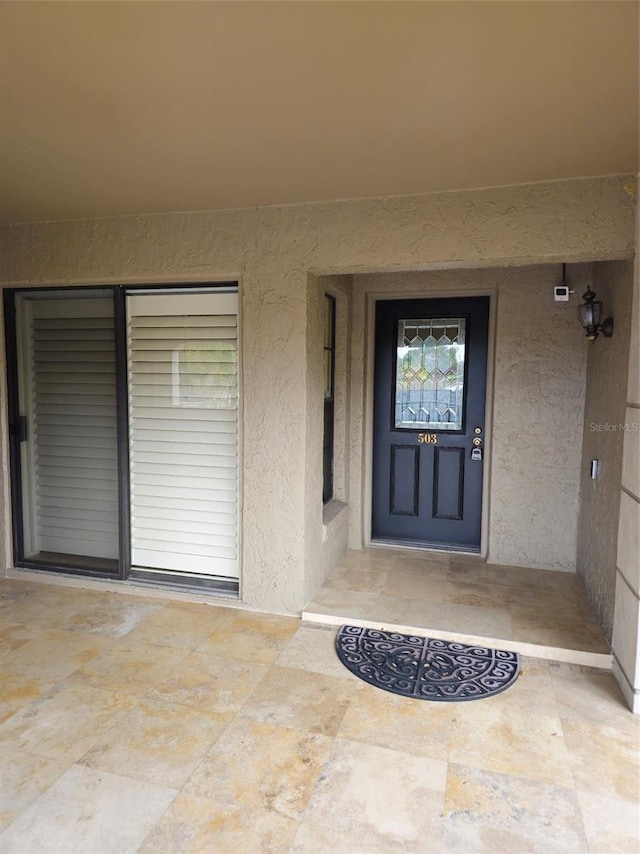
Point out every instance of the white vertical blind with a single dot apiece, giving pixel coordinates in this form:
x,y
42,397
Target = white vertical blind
x,y
71,424
183,432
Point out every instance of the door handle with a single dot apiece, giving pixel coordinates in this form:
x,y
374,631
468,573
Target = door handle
x,y
18,428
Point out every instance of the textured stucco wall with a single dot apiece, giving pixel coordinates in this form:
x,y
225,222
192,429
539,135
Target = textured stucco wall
x,y
538,400
271,251
604,414
626,618
326,542
340,288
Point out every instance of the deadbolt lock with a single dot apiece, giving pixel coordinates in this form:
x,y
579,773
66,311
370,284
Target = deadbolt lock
x,y
477,430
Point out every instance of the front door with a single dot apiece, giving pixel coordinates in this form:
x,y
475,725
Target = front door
x,y
429,408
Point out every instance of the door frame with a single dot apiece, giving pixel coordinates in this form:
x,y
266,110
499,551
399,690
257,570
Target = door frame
x,y
371,300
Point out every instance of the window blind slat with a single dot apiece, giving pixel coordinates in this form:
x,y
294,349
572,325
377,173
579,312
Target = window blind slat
x,y
183,424
73,412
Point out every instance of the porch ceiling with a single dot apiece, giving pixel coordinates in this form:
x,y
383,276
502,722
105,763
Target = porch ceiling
x,y
115,108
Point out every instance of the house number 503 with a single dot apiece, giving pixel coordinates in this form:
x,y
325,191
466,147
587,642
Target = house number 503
x,y
427,438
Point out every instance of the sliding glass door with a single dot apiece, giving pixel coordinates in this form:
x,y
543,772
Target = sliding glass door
x,y
124,425
67,429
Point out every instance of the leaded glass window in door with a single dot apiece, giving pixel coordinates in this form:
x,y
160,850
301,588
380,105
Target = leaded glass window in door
x,y
429,383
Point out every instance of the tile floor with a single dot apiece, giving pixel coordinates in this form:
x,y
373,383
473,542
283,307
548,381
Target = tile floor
x,y
132,724
535,612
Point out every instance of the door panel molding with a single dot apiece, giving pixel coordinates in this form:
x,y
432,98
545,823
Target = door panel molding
x,y
404,502
447,499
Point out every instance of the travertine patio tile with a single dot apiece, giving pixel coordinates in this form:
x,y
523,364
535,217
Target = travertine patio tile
x,y
509,739
372,790
260,766
415,557
358,580
159,742
130,667
296,729
467,619
491,813
66,722
195,825
416,584
14,636
374,559
612,826
88,812
414,569
210,682
593,698
343,603
251,636
572,606
314,839
178,626
479,595
514,576
18,690
400,723
111,616
35,602
604,760
23,779
309,702
546,630
53,654
313,649
532,690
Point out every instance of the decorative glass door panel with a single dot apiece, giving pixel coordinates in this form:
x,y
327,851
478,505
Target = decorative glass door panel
x,y
429,381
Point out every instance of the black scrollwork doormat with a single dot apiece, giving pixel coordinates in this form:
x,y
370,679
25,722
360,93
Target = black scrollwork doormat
x,y
425,668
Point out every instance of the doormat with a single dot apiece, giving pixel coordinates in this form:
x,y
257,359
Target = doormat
x,y
425,668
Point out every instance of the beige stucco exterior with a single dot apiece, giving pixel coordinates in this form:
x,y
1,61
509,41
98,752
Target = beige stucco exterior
x,y
535,405
279,256
626,618
603,436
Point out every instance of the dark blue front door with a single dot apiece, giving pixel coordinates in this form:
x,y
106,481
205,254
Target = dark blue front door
x,y
429,407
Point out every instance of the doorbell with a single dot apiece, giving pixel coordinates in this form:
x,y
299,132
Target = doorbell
x,y
561,293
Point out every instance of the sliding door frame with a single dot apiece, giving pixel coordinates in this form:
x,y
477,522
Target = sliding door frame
x,y
119,295
122,432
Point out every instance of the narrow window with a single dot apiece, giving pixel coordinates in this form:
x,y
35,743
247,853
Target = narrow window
x,y
329,397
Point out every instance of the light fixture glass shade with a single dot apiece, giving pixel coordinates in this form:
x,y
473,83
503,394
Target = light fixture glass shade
x,y
591,313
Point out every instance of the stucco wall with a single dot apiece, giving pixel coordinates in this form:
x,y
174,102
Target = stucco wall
x,y
626,620
326,534
603,436
537,404
271,251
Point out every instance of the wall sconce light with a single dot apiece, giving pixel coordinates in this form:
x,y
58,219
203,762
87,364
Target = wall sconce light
x,y
590,314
